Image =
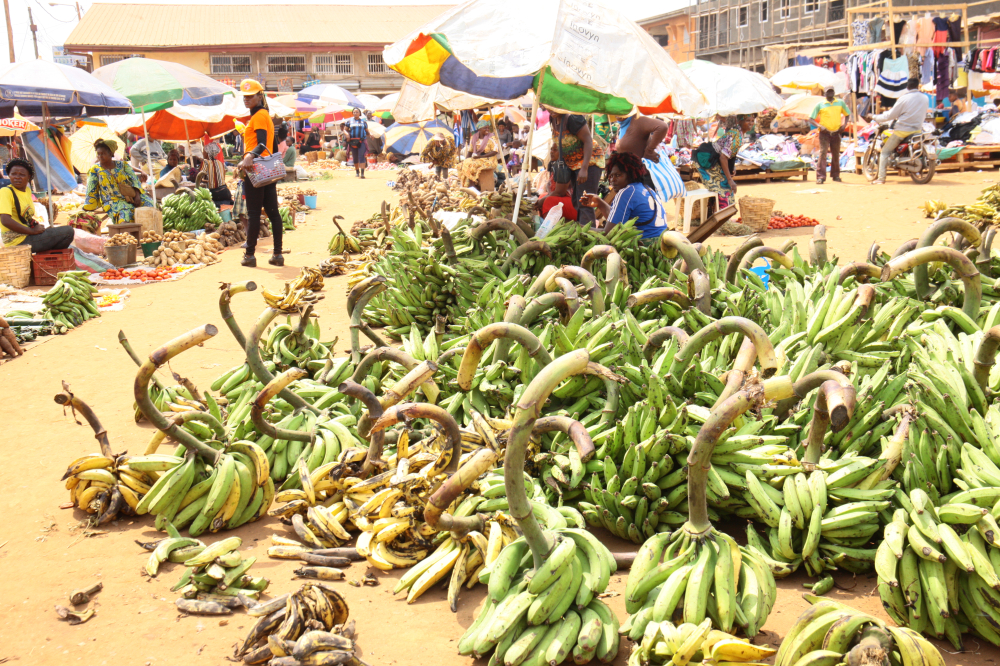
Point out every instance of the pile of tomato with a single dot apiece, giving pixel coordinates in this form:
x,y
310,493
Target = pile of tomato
x,y
142,274
791,221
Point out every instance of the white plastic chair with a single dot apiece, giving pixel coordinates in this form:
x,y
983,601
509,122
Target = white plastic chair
x,y
690,199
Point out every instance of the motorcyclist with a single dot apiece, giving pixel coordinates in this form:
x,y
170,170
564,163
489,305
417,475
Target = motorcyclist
x,y
909,112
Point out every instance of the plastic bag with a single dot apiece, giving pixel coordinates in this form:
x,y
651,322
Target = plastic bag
x,y
555,214
88,242
90,262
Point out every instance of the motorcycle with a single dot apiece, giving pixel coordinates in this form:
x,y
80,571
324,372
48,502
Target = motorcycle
x,y
916,155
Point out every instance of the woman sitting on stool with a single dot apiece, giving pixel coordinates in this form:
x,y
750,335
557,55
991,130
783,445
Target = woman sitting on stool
x,y
17,214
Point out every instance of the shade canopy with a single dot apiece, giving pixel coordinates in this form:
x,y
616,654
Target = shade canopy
x,y
594,59
184,123
83,154
324,94
413,137
370,101
731,90
800,106
16,125
151,84
67,91
417,102
301,109
807,77
386,103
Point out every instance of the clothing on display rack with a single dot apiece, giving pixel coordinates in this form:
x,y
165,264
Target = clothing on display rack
x,y
860,32
927,67
892,79
875,31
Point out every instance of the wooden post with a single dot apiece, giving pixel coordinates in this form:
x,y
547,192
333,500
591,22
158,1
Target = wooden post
x,y
965,29
503,162
526,168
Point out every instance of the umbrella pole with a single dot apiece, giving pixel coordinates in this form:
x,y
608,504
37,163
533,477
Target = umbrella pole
x,y
503,162
48,172
149,161
526,167
187,143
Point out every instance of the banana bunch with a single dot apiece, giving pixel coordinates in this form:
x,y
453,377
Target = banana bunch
x,y
546,614
662,642
342,243
187,210
214,576
194,495
70,301
172,548
333,441
938,565
306,628
289,346
833,633
932,207
334,266
104,486
287,218
297,293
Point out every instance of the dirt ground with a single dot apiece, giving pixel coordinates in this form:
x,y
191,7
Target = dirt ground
x,y
46,552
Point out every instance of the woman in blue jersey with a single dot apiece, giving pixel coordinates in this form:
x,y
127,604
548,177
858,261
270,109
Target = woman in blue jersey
x,y
357,143
633,200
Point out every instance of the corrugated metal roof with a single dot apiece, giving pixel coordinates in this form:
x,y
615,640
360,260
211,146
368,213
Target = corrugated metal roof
x,y
179,26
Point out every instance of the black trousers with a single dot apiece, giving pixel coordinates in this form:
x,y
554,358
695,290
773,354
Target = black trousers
x,y
586,216
266,199
53,238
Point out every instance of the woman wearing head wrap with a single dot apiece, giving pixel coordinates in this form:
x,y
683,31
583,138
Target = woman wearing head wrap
x,y
633,200
716,163
113,187
17,213
479,168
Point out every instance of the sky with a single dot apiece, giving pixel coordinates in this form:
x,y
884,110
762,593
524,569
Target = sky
x,y
56,22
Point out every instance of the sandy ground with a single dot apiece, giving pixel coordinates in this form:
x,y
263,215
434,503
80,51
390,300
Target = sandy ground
x,y
45,551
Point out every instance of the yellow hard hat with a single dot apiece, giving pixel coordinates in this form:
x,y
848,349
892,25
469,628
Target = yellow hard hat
x,y
250,87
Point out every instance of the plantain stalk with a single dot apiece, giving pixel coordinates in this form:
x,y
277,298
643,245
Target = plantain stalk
x,y
357,290
658,294
436,510
482,339
700,291
377,438
141,389
908,246
577,433
673,243
422,410
745,359
860,269
733,265
538,286
777,256
569,291
123,341
719,328
539,304
257,366
963,266
499,224
585,278
515,308
942,226
358,323
986,355
595,253
659,336
272,389
66,398
536,246
817,246
382,354
228,291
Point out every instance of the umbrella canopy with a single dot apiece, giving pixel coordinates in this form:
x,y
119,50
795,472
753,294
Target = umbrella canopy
x,y
418,102
412,137
386,103
330,114
67,91
150,84
324,94
731,90
509,111
807,77
370,101
83,154
800,106
278,109
594,59
16,125
301,109
184,123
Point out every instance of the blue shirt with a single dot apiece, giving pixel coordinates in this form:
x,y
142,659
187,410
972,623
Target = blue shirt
x,y
358,127
637,201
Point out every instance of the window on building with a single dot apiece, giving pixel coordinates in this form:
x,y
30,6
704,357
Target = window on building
x,y
811,6
784,9
764,7
376,65
286,64
662,40
723,28
111,59
708,36
836,10
231,64
744,17
687,35
334,63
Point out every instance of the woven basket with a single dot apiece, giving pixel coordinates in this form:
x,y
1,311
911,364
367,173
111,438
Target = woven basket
x,y
756,212
15,265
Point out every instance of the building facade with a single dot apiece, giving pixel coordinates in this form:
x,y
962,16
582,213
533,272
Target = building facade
x,y
285,47
674,32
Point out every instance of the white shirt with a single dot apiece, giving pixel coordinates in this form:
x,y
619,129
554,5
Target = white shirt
x,y
909,112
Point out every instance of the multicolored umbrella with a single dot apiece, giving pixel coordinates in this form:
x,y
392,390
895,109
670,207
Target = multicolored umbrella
x,y
65,91
82,155
16,125
325,94
413,137
302,109
184,123
370,101
593,59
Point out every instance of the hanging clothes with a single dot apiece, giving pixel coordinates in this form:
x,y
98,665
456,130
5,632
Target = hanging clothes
x,y
897,30
892,77
927,67
940,34
955,33
925,31
909,36
875,30
942,76
861,32
913,62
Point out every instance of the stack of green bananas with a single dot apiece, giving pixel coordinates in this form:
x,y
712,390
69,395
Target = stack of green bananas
x,y
306,627
216,573
833,633
287,347
70,301
662,642
545,615
938,566
185,210
191,494
287,218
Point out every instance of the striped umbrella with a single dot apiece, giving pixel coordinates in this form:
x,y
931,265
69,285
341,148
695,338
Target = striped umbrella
x,y
413,137
324,94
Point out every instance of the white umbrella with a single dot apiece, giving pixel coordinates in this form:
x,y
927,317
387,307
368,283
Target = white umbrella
x,y
370,101
731,90
807,77
386,103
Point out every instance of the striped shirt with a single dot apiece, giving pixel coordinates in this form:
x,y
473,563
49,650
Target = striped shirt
x,y
358,128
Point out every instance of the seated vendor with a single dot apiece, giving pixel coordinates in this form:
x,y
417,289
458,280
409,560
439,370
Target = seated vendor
x,y
113,187
633,199
291,154
173,161
17,213
214,171
561,193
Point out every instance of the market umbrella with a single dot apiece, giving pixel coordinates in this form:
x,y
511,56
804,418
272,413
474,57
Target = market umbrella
x,y
301,108
324,94
418,102
153,85
413,137
578,57
16,125
386,103
278,109
184,123
369,101
42,88
800,106
731,90
807,77
82,155
509,111
330,114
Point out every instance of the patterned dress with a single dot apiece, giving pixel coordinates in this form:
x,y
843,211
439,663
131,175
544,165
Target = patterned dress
x,y
103,193
728,143
472,167
440,154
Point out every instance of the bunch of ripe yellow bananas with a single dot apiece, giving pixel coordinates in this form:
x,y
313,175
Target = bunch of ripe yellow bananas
x,y
298,292
663,642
